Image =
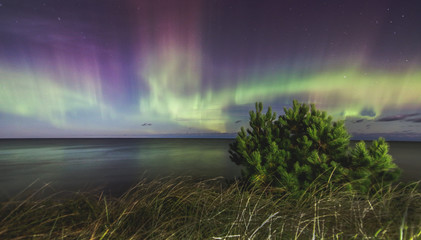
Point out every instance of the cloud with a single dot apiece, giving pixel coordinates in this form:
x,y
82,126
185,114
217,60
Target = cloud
x,y
397,117
367,112
415,120
393,136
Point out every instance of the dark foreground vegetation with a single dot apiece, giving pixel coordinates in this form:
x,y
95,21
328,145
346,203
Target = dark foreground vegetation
x,y
183,208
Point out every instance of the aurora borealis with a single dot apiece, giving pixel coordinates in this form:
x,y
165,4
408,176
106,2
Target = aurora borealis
x,y
109,68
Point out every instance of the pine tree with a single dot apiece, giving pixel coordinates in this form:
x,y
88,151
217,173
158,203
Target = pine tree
x,y
304,146
372,166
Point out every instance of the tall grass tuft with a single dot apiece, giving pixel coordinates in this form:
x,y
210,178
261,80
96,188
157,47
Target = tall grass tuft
x,y
184,208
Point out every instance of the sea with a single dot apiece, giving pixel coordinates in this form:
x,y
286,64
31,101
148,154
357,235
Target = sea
x,y
114,165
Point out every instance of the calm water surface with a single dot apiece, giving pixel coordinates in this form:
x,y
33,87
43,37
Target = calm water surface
x,y
116,164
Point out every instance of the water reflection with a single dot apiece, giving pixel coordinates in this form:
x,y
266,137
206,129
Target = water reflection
x,y
115,164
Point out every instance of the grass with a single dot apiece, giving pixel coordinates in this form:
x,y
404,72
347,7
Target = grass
x,y
184,208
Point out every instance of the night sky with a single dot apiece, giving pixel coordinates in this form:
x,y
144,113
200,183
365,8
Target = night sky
x,y
159,68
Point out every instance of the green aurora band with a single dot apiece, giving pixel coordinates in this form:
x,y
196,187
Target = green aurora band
x,y
343,93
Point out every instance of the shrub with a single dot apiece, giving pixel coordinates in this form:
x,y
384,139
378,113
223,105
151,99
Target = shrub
x,y
303,147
